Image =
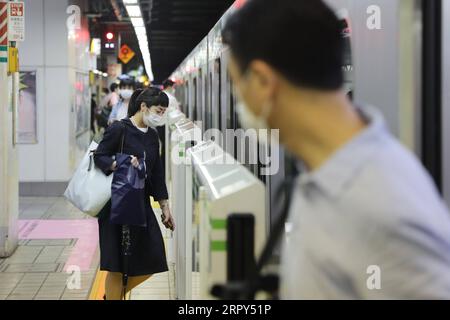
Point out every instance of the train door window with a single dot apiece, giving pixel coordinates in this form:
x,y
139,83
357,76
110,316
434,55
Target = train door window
x,y
193,109
185,97
203,99
219,93
198,98
231,110
216,95
208,123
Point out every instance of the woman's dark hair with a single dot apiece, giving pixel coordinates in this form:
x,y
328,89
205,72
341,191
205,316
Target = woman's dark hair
x,y
302,39
132,105
151,97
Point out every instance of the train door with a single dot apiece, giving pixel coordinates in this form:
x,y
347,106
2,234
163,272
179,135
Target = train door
x,y
385,41
446,99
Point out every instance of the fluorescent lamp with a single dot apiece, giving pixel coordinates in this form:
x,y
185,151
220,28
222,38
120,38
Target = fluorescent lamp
x,y
134,11
137,22
143,43
135,14
140,31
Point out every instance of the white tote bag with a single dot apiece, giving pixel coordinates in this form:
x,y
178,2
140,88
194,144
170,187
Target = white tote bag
x,y
90,189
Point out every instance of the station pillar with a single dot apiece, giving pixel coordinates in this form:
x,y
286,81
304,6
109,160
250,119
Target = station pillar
x,y
9,173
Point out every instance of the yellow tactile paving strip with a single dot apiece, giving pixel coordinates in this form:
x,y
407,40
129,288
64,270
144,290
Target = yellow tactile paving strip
x,y
98,287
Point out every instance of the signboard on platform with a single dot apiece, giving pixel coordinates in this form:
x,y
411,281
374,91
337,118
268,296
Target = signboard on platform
x,y
16,21
126,54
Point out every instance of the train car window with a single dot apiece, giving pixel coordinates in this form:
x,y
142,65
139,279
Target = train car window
x,y
231,112
235,117
216,116
199,97
193,107
179,94
209,122
186,98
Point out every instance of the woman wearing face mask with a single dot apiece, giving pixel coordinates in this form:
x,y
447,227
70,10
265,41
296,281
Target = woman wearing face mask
x,y
120,110
146,110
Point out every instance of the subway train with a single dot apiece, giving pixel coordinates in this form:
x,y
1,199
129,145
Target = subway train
x,y
397,58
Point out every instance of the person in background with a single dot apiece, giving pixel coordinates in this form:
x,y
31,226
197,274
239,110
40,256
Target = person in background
x,y
114,97
104,99
366,219
120,110
169,86
106,105
93,114
169,89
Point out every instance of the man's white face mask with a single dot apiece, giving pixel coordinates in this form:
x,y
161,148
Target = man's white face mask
x,y
251,121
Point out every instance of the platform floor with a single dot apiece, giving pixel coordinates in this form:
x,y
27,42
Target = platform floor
x,y
57,241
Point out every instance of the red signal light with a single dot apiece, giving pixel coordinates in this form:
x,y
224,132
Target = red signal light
x,y
109,36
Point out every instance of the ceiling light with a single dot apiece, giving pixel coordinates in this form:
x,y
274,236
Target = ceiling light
x,y
140,31
137,22
134,11
130,1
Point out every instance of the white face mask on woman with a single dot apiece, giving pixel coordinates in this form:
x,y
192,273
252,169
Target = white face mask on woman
x,y
126,94
153,120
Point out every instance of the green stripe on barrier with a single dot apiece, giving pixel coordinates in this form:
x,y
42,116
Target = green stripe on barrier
x,y
3,48
5,60
218,246
218,224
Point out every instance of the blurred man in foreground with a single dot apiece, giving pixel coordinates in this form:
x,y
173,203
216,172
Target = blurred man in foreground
x,y
367,220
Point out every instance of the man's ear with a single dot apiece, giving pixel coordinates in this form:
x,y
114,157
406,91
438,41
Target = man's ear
x,y
265,78
266,74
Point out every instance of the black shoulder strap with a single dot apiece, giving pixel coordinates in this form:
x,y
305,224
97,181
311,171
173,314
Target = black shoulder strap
x,y
288,188
123,135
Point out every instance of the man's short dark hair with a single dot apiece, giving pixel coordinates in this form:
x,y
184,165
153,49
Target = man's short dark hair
x,y
127,82
168,83
113,86
299,38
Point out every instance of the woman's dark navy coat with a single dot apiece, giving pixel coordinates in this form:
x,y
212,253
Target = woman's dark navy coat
x,y
147,245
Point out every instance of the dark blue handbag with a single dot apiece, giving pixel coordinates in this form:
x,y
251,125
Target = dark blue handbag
x,y
128,192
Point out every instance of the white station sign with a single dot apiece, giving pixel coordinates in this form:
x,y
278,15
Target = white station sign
x,y
16,21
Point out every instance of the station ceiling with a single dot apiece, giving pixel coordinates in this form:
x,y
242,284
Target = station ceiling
x,y
174,27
